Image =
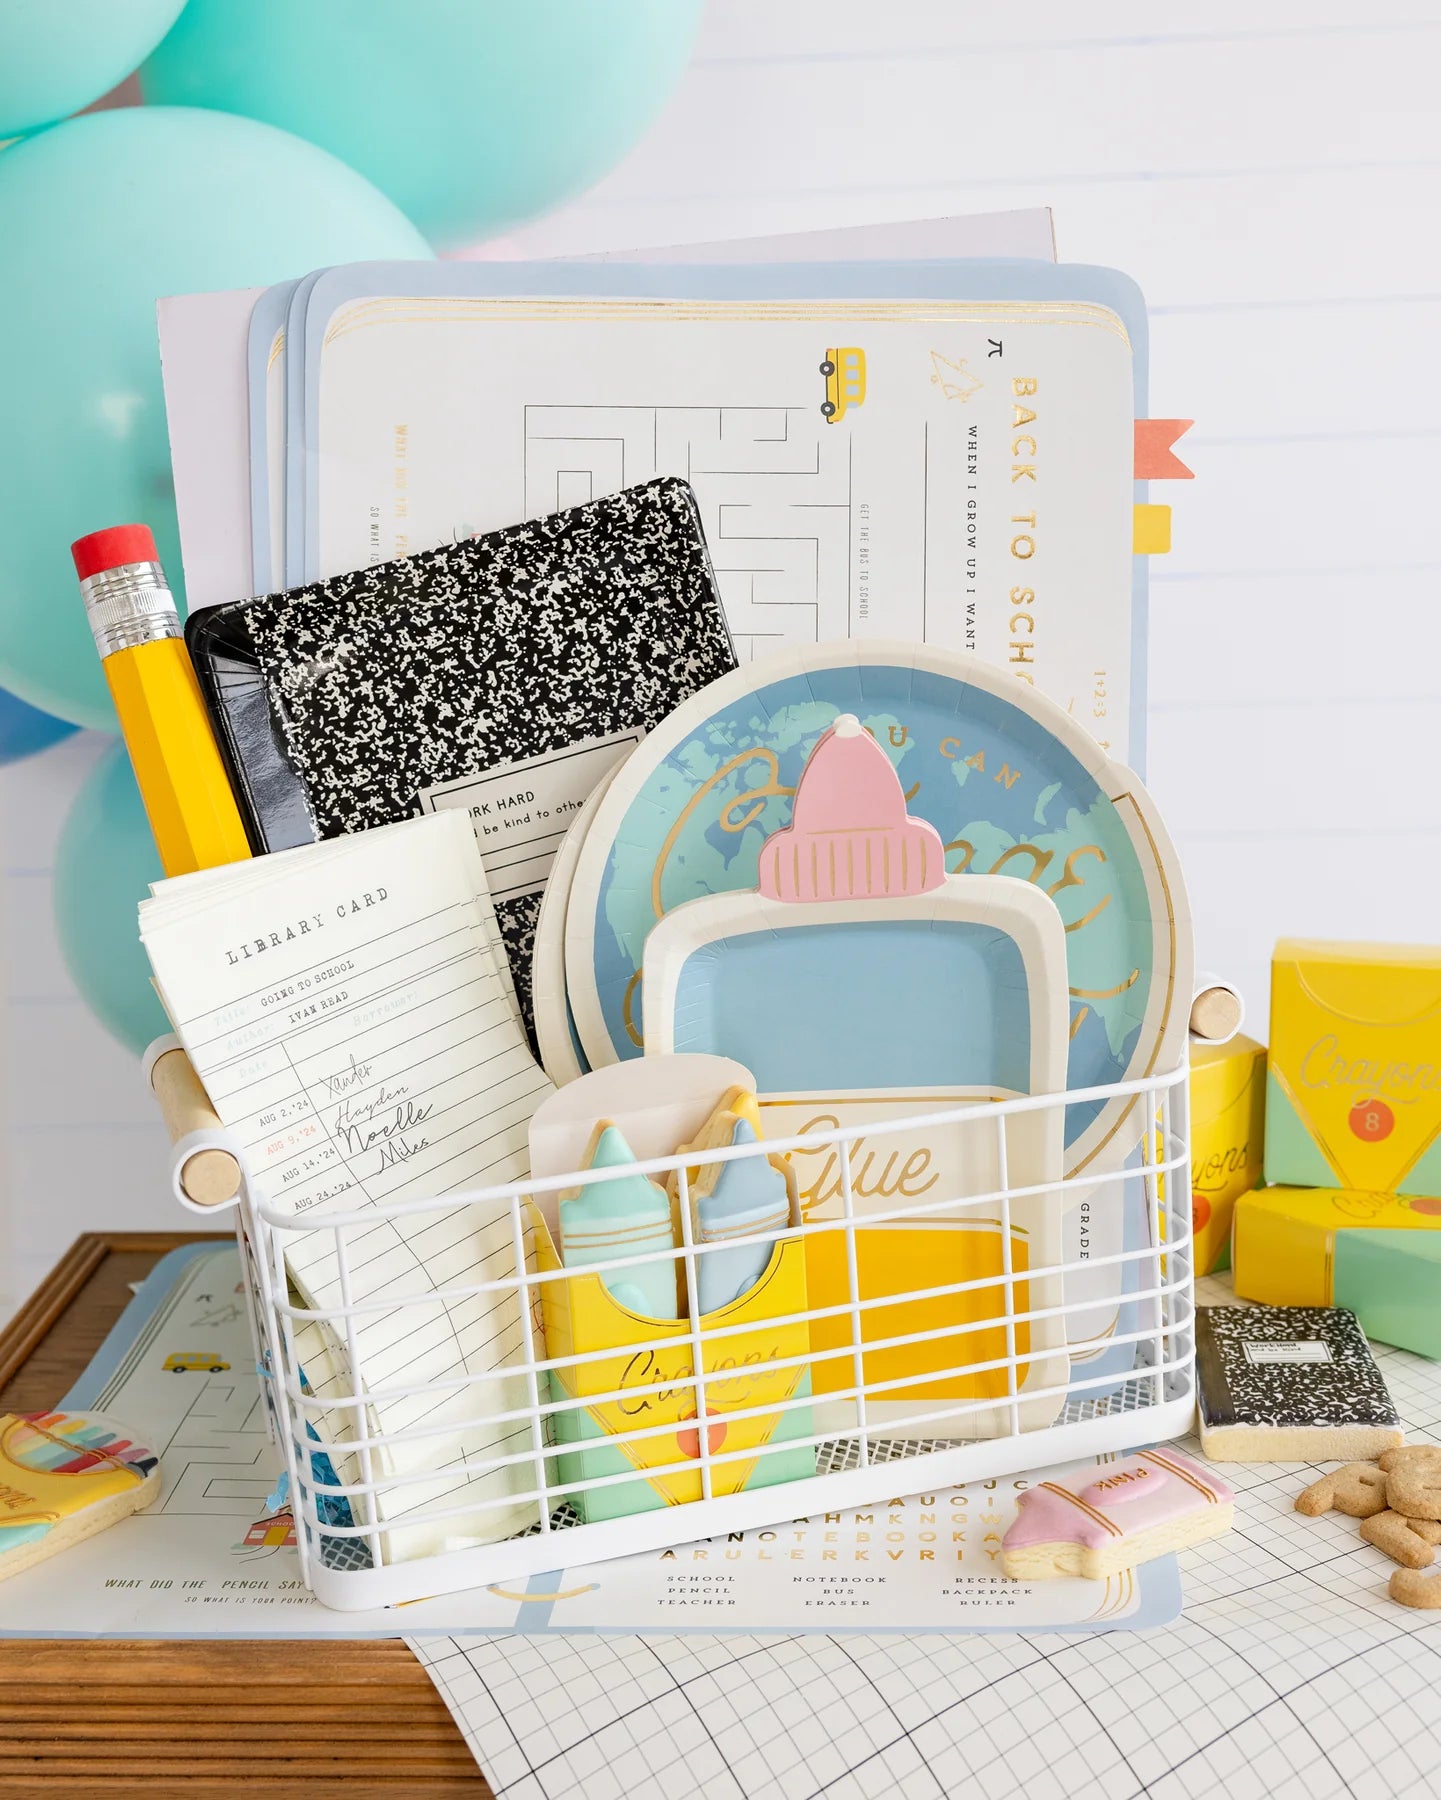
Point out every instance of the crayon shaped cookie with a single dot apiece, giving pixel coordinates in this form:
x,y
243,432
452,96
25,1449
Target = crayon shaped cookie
x,y
63,1477
1099,1521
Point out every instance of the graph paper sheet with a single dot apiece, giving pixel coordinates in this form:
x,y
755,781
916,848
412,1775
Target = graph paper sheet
x,y
1290,1676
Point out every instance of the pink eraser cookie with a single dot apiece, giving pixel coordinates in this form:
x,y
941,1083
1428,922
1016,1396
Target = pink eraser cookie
x,y
1094,1525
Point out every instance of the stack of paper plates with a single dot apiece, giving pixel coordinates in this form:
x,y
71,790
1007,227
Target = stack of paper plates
x,y
1014,785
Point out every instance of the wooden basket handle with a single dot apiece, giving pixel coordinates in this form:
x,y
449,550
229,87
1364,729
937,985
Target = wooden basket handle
x,y
209,1177
1217,1010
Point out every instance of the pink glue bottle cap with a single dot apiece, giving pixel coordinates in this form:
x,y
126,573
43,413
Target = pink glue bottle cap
x,y
850,837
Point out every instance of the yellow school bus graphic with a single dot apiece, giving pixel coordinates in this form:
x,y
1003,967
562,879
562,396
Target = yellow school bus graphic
x,y
845,373
181,1362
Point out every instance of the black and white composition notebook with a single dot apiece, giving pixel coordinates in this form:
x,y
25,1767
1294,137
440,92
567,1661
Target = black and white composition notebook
x,y
1289,1384
502,675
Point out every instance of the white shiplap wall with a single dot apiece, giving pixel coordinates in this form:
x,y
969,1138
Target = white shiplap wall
x,y
1271,174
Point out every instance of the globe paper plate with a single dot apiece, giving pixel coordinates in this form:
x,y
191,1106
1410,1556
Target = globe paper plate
x,y
1011,782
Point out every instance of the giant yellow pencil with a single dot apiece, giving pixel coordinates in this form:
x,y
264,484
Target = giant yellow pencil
x,y
137,631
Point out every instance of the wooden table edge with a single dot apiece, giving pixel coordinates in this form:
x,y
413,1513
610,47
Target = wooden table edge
x,y
357,1712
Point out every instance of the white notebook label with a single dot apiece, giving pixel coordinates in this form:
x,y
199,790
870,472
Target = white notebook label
x,y
520,812
1308,1350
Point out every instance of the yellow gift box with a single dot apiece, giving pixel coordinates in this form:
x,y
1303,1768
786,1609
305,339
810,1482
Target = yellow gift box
x,y
1377,1254
1353,1095
1228,1121
583,1319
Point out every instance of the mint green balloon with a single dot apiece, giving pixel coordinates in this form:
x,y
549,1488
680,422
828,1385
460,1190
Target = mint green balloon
x,y
470,114
58,55
104,865
99,217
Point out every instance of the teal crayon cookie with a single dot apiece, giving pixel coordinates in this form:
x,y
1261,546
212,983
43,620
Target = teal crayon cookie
x,y
612,1221
63,1477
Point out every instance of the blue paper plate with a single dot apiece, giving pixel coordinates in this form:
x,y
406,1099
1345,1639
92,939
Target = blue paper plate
x,y
1011,782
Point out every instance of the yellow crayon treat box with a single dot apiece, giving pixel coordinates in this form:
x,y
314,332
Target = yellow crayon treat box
x,y
1228,1121
625,1388
1353,1093
1377,1254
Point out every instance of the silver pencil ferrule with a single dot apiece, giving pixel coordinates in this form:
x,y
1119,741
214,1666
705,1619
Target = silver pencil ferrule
x,y
128,606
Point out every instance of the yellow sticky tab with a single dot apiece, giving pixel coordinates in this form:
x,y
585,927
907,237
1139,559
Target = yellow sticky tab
x,y
1151,530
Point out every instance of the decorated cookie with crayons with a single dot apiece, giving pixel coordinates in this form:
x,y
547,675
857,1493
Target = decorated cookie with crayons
x,y
63,1477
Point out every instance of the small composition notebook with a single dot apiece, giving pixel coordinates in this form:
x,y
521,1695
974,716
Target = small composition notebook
x,y
1289,1384
344,1007
501,675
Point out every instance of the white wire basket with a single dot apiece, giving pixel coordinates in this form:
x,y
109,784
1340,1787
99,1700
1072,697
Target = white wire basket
x,y
507,1466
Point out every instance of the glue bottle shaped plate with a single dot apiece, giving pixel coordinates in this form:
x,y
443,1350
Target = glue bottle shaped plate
x,y
863,984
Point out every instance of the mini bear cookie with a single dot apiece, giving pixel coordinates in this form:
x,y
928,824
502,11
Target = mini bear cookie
x,y
1410,1542
1413,1480
1359,1490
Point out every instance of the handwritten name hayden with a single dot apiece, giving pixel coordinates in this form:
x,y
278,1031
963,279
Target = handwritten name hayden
x,y
306,927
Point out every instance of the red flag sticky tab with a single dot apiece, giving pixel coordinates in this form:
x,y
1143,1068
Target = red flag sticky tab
x,y
1154,460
